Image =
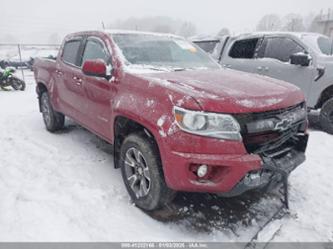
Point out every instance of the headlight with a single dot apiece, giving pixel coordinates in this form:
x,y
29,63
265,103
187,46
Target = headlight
x,y
215,125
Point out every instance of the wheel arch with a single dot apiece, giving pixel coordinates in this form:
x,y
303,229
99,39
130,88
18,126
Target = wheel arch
x,y
40,88
325,95
123,126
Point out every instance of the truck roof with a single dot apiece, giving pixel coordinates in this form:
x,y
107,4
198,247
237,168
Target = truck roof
x,y
253,34
286,33
118,31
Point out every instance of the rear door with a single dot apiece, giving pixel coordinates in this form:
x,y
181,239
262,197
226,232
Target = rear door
x,y
98,90
240,54
274,57
69,83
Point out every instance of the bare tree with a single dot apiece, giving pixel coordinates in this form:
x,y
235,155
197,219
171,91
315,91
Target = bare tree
x,y
293,22
269,22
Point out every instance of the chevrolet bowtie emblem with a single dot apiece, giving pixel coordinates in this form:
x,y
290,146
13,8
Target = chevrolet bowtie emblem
x,y
283,125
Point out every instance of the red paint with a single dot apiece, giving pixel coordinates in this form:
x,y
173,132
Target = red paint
x,y
145,98
94,67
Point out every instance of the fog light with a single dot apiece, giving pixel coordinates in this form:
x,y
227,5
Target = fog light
x,y
202,170
252,179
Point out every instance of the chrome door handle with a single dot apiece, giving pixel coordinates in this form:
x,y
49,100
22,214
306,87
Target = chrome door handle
x,y
77,80
59,72
266,69
259,68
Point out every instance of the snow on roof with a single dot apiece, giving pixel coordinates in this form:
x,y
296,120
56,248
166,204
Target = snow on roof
x,y
204,37
119,31
260,33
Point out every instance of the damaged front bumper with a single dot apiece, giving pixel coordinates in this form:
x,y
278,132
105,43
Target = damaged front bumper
x,y
274,171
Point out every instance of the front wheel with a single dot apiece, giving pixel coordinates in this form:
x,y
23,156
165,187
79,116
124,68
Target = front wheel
x,y
53,120
142,173
326,116
18,84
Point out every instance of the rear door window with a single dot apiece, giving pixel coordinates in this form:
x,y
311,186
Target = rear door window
x,y
244,49
70,51
279,48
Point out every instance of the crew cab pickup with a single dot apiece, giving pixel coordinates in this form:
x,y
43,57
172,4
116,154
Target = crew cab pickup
x,y
178,121
303,59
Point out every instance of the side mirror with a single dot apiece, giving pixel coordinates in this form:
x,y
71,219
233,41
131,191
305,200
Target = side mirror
x,y
300,59
95,68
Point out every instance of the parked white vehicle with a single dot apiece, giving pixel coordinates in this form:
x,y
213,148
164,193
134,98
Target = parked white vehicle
x,y
304,59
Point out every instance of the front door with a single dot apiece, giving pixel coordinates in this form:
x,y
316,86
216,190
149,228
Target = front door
x,y
241,55
98,90
274,57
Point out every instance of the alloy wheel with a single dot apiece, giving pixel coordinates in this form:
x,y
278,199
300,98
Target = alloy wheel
x,y
137,172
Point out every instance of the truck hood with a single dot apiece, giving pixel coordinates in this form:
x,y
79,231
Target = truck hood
x,y
230,91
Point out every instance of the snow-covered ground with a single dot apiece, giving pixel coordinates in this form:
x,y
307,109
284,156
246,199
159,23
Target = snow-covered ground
x,y
63,187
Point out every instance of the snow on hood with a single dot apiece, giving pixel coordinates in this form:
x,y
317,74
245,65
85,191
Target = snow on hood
x,y
230,91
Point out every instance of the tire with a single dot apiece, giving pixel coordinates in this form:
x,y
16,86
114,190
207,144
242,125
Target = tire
x,y
142,173
53,120
326,116
18,84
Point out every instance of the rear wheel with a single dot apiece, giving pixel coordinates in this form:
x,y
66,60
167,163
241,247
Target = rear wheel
x,y
18,84
326,116
142,172
53,120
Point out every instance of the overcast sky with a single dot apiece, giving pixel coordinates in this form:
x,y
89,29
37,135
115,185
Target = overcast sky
x,y
33,20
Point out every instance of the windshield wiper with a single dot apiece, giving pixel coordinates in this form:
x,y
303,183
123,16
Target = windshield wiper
x,y
179,69
150,67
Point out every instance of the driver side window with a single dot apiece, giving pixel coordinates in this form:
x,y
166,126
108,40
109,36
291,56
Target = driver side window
x,y
95,50
279,48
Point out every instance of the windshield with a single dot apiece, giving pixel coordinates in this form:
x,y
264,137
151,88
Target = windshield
x,y
321,44
162,52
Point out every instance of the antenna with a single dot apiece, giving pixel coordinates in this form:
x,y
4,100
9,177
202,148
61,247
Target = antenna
x,y
103,26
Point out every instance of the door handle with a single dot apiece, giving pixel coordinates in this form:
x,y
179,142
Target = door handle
x,y
259,68
77,80
266,69
227,65
59,72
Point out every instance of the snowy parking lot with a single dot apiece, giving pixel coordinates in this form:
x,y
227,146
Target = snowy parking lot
x,y
63,187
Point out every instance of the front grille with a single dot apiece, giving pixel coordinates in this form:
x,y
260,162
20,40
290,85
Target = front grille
x,y
272,142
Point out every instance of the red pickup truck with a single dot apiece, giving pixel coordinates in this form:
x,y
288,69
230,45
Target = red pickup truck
x,y
177,120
